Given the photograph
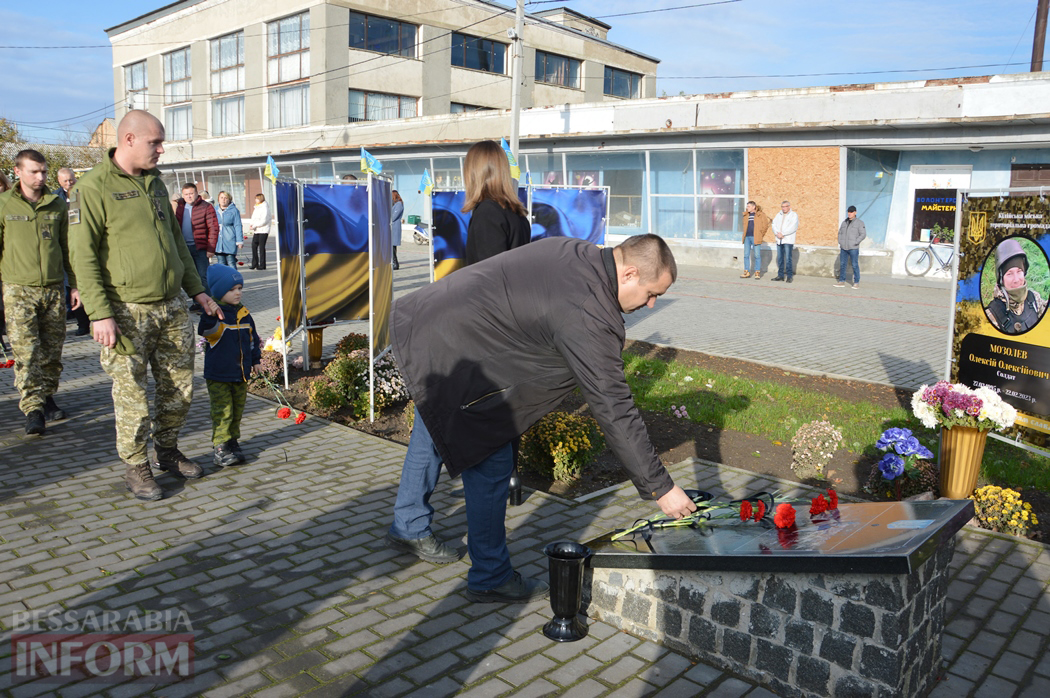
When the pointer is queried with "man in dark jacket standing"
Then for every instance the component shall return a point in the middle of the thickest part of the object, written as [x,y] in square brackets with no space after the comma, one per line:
[489,350]
[851,233]
[200,229]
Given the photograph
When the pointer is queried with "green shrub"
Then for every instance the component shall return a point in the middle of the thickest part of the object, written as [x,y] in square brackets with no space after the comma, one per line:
[351,343]
[559,445]
[325,396]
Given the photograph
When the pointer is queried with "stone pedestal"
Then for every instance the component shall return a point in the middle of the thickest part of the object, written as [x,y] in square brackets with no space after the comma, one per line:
[866,623]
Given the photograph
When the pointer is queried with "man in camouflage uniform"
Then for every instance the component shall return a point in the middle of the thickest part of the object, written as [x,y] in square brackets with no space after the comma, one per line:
[131,262]
[1014,308]
[33,256]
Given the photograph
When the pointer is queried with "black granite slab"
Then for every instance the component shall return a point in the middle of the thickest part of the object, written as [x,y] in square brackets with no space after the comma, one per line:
[868,537]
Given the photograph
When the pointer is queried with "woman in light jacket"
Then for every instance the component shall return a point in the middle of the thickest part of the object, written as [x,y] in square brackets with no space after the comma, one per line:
[260,227]
[396,212]
[231,235]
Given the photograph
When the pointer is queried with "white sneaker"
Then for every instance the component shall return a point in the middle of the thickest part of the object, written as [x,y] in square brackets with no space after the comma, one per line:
[856,286]
[840,284]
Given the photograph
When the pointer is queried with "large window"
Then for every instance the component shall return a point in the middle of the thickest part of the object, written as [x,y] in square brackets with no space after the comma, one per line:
[177,76]
[557,70]
[478,54]
[227,64]
[376,106]
[227,116]
[178,123]
[382,35]
[620,83]
[459,108]
[290,106]
[288,49]
[135,84]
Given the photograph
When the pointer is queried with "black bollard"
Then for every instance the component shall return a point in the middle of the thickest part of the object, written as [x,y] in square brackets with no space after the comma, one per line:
[565,561]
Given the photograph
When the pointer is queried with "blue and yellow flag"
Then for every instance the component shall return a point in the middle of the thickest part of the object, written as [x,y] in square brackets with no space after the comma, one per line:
[528,178]
[271,172]
[515,171]
[426,184]
[369,163]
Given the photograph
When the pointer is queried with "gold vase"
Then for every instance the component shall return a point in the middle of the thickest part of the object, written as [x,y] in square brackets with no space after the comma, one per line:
[962,449]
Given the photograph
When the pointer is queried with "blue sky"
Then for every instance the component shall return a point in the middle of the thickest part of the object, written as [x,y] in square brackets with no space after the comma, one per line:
[746,45]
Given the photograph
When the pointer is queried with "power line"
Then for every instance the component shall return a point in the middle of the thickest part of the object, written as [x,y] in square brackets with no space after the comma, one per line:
[668,9]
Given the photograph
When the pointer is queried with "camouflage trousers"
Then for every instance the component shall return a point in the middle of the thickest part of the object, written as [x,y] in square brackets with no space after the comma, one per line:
[227,408]
[163,341]
[36,324]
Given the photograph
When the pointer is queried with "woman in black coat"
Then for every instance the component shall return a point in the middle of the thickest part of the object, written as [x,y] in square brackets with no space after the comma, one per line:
[497,221]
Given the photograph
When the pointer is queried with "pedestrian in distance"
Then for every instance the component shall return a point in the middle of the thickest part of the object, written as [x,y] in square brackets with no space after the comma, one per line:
[260,227]
[755,225]
[34,262]
[497,217]
[851,233]
[66,179]
[397,211]
[200,229]
[5,184]
[489,350]
[133,264]
[231,234]
[232,352]
[785,225]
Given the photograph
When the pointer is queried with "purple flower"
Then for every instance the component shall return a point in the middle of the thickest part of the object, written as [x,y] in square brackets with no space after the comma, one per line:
[891,466]
[891,436]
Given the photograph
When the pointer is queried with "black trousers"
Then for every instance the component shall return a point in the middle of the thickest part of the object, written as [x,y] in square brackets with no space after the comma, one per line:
[259,250]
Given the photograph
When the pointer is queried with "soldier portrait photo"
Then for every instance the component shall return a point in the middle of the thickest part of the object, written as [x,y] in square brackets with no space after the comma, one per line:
[1014,285]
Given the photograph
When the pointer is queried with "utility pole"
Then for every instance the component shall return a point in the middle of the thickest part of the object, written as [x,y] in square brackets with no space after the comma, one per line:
[518,76]
[1040,35]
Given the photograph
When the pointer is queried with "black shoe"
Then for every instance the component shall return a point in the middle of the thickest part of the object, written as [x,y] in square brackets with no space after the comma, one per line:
[429,548]
[236,448]
[52,412]
[172,460]
[777,278]
[395,266]
[790,278]
[35,423]
[252,266]
[224,455]
[81,331]
[517,589]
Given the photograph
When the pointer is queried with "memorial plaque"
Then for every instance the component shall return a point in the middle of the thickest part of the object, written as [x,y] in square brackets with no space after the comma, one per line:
[870,537]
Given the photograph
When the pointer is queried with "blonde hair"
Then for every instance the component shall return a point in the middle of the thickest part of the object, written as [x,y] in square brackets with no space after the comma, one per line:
[487,175]
[222,194]
[260,198]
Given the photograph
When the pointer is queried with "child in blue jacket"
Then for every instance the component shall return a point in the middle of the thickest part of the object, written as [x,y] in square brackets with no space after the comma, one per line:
[232,352]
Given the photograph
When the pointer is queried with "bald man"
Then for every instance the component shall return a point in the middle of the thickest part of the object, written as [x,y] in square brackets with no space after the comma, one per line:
[125,242]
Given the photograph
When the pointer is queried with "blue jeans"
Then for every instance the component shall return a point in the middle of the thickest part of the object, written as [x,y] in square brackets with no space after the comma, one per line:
[751,250]
[485,492]
[853,257]
[229,260]
[784,260]
[200,260]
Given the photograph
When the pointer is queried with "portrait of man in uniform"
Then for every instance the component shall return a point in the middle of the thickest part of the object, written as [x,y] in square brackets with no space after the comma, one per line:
[1015,300]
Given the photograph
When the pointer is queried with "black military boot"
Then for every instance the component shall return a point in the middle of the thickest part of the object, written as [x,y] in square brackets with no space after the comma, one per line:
[172,460]
[35,423]
[52,412]
[236,448]
[139,481]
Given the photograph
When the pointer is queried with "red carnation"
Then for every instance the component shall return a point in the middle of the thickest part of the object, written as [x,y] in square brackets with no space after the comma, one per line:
[9,363]
[300,418]
[760,510]
[833,496]
[240,264]
[745,510]
[284,413]
[785,516]
[818,506]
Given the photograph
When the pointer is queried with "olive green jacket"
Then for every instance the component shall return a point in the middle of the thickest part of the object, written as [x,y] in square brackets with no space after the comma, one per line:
[124,242]
[33,241]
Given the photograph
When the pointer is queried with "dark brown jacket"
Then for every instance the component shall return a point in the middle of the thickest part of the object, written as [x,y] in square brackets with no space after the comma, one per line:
[489,350]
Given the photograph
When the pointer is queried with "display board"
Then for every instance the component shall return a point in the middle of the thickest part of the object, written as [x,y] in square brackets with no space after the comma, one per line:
[1001,336]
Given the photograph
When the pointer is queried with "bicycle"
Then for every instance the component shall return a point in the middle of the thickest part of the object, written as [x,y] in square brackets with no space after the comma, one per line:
[919,260]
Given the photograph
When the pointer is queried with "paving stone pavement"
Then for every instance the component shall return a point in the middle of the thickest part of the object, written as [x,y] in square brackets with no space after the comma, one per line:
[280,564]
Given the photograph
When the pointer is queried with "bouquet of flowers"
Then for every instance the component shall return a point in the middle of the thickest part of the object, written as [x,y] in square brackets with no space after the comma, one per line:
[904,461]
[954,405]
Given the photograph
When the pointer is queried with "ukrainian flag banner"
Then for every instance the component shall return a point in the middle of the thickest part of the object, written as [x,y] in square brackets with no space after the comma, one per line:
[271,172]
[426,185]
[369,163]
[515,171]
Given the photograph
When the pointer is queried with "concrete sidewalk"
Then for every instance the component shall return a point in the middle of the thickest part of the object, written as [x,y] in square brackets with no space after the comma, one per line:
[280,564]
